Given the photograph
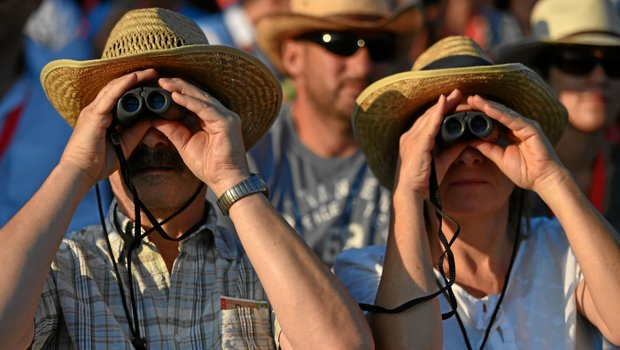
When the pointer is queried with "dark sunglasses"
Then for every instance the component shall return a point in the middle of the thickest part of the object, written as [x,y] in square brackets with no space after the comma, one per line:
[382,47]
[582,62]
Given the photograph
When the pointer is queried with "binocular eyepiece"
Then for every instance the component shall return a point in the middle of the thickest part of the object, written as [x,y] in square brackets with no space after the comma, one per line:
[467,125]
[157,100]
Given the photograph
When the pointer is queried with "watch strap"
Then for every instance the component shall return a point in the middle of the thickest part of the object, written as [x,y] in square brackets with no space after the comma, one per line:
[253,184]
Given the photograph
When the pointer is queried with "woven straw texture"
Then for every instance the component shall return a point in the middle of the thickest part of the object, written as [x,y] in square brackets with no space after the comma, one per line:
[387,108]
[175,46]
[329,15]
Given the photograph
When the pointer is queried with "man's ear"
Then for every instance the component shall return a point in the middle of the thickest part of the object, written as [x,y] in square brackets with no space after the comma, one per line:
[292,57]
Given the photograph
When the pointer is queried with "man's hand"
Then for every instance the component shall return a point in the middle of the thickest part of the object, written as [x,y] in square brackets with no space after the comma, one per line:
[209,140]
[88,149]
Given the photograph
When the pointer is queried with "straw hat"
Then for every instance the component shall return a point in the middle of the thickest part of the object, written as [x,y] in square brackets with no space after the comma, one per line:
[174,45]
[388,107]
[557,23]
[333,15]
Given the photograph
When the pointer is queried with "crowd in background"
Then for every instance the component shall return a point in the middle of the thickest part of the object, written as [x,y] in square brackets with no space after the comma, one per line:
[78,29]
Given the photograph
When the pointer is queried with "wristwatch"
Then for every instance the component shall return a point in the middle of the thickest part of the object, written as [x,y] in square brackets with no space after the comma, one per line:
[252,184]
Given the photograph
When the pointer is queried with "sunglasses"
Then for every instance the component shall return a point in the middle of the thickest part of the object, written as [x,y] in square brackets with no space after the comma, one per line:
[382,47]
[582,62]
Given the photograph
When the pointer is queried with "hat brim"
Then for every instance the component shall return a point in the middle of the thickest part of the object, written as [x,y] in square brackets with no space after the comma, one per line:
[241,82]
[273,30]
[531,51]
[388,107]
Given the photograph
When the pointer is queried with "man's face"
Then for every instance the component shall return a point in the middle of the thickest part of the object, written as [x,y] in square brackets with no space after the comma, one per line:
[162,180]
[586,87]
[333,70]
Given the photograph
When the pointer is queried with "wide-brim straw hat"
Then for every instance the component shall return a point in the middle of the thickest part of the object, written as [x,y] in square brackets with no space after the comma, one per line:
[304,16]
[175,46]
[388,107]
[560,23]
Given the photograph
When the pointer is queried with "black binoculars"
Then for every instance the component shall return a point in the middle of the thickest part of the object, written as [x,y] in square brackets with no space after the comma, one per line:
[157,100]
[467,125]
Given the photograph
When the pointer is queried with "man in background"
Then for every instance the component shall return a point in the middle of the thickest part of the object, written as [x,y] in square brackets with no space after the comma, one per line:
[320,182]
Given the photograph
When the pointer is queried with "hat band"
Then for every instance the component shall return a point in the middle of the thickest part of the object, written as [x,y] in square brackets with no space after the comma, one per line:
[457,61]
[594,32]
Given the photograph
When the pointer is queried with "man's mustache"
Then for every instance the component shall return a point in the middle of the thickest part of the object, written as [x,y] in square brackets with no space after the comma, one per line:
[144,158]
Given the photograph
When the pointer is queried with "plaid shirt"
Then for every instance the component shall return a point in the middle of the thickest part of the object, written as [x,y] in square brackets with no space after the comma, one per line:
[81,305]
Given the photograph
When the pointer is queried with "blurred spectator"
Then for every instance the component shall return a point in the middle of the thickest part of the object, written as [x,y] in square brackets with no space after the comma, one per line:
[575,45]
[32,136]
[487,22]
[234,25]
[521,11]
[318,178]
[56,29]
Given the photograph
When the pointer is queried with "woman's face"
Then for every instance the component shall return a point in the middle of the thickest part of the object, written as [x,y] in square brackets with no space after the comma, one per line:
[473,184]
[589,95]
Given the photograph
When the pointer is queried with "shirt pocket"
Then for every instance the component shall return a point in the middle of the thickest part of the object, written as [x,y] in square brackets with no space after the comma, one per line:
[246,324]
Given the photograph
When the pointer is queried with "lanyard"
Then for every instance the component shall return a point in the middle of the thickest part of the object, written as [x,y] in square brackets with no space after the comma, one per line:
[9,127]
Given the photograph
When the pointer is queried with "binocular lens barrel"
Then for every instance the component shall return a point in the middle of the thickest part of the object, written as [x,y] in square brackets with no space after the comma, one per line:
[157,100]
[453,127]
[466,125]
[480,125]
[131,103]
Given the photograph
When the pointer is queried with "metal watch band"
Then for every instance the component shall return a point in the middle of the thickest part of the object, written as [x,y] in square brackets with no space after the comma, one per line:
[252,184]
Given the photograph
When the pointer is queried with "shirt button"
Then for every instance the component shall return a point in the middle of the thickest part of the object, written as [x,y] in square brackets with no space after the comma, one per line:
[178,338]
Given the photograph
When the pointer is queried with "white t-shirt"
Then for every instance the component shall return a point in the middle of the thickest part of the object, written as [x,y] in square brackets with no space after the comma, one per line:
[538,310]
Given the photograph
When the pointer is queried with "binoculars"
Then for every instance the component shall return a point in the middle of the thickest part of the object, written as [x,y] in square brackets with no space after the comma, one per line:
[155,99]
[468,125]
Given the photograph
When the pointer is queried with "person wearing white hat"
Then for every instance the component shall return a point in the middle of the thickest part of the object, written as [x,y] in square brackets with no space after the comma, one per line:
[458,139]
[330,50]
[575,46]
[158,272]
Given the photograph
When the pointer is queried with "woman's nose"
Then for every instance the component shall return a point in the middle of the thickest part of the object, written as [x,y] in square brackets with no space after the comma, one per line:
[470,157]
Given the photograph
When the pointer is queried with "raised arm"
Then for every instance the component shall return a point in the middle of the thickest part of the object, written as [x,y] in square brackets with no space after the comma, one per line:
[29,241]
[313,308]
[531,163]
[408,269]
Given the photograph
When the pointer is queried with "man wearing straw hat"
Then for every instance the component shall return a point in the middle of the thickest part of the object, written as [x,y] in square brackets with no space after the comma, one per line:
[575,46]
[161,138]
[320,181]
[458,139]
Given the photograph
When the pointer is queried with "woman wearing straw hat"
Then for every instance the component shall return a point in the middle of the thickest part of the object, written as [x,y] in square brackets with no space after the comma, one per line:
[192,284]
[575,46]
[519,283]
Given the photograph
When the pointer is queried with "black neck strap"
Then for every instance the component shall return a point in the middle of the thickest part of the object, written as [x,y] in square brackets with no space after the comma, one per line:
[447,254]
[137,340]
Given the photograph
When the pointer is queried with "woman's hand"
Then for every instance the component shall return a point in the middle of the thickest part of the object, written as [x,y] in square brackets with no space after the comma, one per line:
[528,160]
[417,148]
